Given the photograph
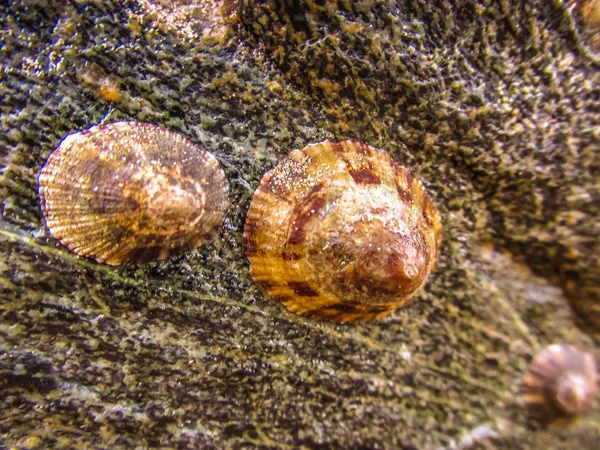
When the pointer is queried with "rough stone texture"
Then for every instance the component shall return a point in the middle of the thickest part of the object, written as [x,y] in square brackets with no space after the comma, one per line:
[493,103]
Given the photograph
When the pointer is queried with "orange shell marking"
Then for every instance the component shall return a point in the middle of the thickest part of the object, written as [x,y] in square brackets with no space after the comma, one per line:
[340,231]
[131,192]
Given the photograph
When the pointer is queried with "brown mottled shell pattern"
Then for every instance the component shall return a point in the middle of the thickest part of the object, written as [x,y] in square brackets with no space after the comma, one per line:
[131,192]
[341,231]
[560,384]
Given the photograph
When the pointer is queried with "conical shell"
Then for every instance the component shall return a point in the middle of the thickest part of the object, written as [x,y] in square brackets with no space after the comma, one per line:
[560,384]
[131,192]
[340,231]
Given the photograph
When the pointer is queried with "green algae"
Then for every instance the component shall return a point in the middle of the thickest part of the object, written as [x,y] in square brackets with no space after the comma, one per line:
[492,104]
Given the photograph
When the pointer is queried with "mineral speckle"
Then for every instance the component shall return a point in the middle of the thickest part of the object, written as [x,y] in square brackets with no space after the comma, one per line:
[208,21]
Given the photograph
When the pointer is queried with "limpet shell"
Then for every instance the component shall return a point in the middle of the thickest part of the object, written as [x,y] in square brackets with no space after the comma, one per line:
[560,384]
[131,192]
[341,231]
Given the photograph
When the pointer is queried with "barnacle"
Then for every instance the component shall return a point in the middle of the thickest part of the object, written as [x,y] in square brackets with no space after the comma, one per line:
[560,384]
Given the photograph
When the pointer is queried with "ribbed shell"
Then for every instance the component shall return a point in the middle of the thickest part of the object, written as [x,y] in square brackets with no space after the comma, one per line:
[340,231]
[560,384]
[131,192]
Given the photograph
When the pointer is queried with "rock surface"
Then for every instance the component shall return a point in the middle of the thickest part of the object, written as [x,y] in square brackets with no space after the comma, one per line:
[494,104]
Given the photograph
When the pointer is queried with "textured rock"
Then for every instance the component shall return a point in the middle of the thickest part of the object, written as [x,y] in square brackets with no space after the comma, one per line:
[496,103]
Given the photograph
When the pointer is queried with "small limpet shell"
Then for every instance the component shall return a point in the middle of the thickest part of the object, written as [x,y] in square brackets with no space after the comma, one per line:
[131,192]
[340,231]
[560,384]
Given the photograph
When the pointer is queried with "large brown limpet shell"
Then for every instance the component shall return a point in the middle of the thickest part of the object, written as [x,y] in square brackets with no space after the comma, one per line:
[559,385]
[340,231]
[131,192]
